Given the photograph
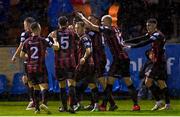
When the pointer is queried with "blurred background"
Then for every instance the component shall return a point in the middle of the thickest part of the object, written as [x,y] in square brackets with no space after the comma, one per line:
[130,15]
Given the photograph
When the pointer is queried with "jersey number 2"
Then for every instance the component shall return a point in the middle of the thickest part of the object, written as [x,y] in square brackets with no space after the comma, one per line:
[34,54]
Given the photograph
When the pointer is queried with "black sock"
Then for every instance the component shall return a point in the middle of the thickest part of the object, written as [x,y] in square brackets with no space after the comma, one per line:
[44,96]
[105,97]
[64,97]
[72,94]
[110,95]
[94,95]
[30,91]
[79,91]
[166,95]
[155,92]
[36,99]
[133,94]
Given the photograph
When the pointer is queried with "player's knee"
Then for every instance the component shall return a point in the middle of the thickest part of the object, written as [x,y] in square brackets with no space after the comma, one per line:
[103,82]
[92,85]
[128,81]
[36,87]
[110,80]
[30,84]
[43,86]
[162,84]
[71,83]
[62,84]
[148,82]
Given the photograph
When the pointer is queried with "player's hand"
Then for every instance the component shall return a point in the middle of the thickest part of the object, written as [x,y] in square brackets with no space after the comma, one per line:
[127,47]
[13,59]
[82,61]
[80,15]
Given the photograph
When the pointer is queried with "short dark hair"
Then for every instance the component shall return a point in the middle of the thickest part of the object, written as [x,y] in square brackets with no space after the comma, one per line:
[81,23]
[29,20]
[152,20]
[35,26]
[93,15]
[76,19]
[62,20]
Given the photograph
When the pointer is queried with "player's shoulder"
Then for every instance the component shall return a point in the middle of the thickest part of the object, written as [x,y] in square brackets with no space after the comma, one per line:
[157,35]
[27,40]
[91,33]
[25,34]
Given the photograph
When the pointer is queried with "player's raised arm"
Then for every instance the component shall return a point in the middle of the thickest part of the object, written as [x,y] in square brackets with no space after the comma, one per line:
[23,52]
[137,39]
[88,23]
[18,50]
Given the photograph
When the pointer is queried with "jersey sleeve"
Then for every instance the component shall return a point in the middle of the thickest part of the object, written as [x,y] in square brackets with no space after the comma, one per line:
[48,42]
[23,37]
[155,36]
[87,42]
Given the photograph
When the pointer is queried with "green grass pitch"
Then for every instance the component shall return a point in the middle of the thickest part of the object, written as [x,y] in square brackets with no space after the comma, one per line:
[18,109]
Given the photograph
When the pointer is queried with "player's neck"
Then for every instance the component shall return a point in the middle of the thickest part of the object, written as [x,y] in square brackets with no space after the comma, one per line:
[35,34]
[155,30]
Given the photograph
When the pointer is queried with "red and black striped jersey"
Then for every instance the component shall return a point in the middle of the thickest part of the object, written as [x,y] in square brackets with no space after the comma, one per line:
[65,57]
[98,47]
[158,46]
[84,43]
[114,41]
[24,36]
[35,48]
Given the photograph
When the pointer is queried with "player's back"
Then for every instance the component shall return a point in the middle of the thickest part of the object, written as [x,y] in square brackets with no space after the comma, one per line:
[115,45]
[66,55]
[158,45]
[36,50]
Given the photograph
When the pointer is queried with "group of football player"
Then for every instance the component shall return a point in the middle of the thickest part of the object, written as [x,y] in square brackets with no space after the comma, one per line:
[80,61]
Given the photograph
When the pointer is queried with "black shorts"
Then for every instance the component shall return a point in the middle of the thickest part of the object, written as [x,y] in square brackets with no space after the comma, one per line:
[100,69]
[38,78]
[145,68]
[157,71]
[85,71]
[120,67]
[63,74]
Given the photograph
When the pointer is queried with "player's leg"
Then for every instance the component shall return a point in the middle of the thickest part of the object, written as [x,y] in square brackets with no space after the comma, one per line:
[149,82]
[107,94]
[63,95]
[132,92]
[164,90]
[152,75]
[60,75]
[30,91]
[36,98]
[72,94]
[125,73]
[162,84]
[28,83]
[44,92]
[36,91]
[81,84]
[94,96]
